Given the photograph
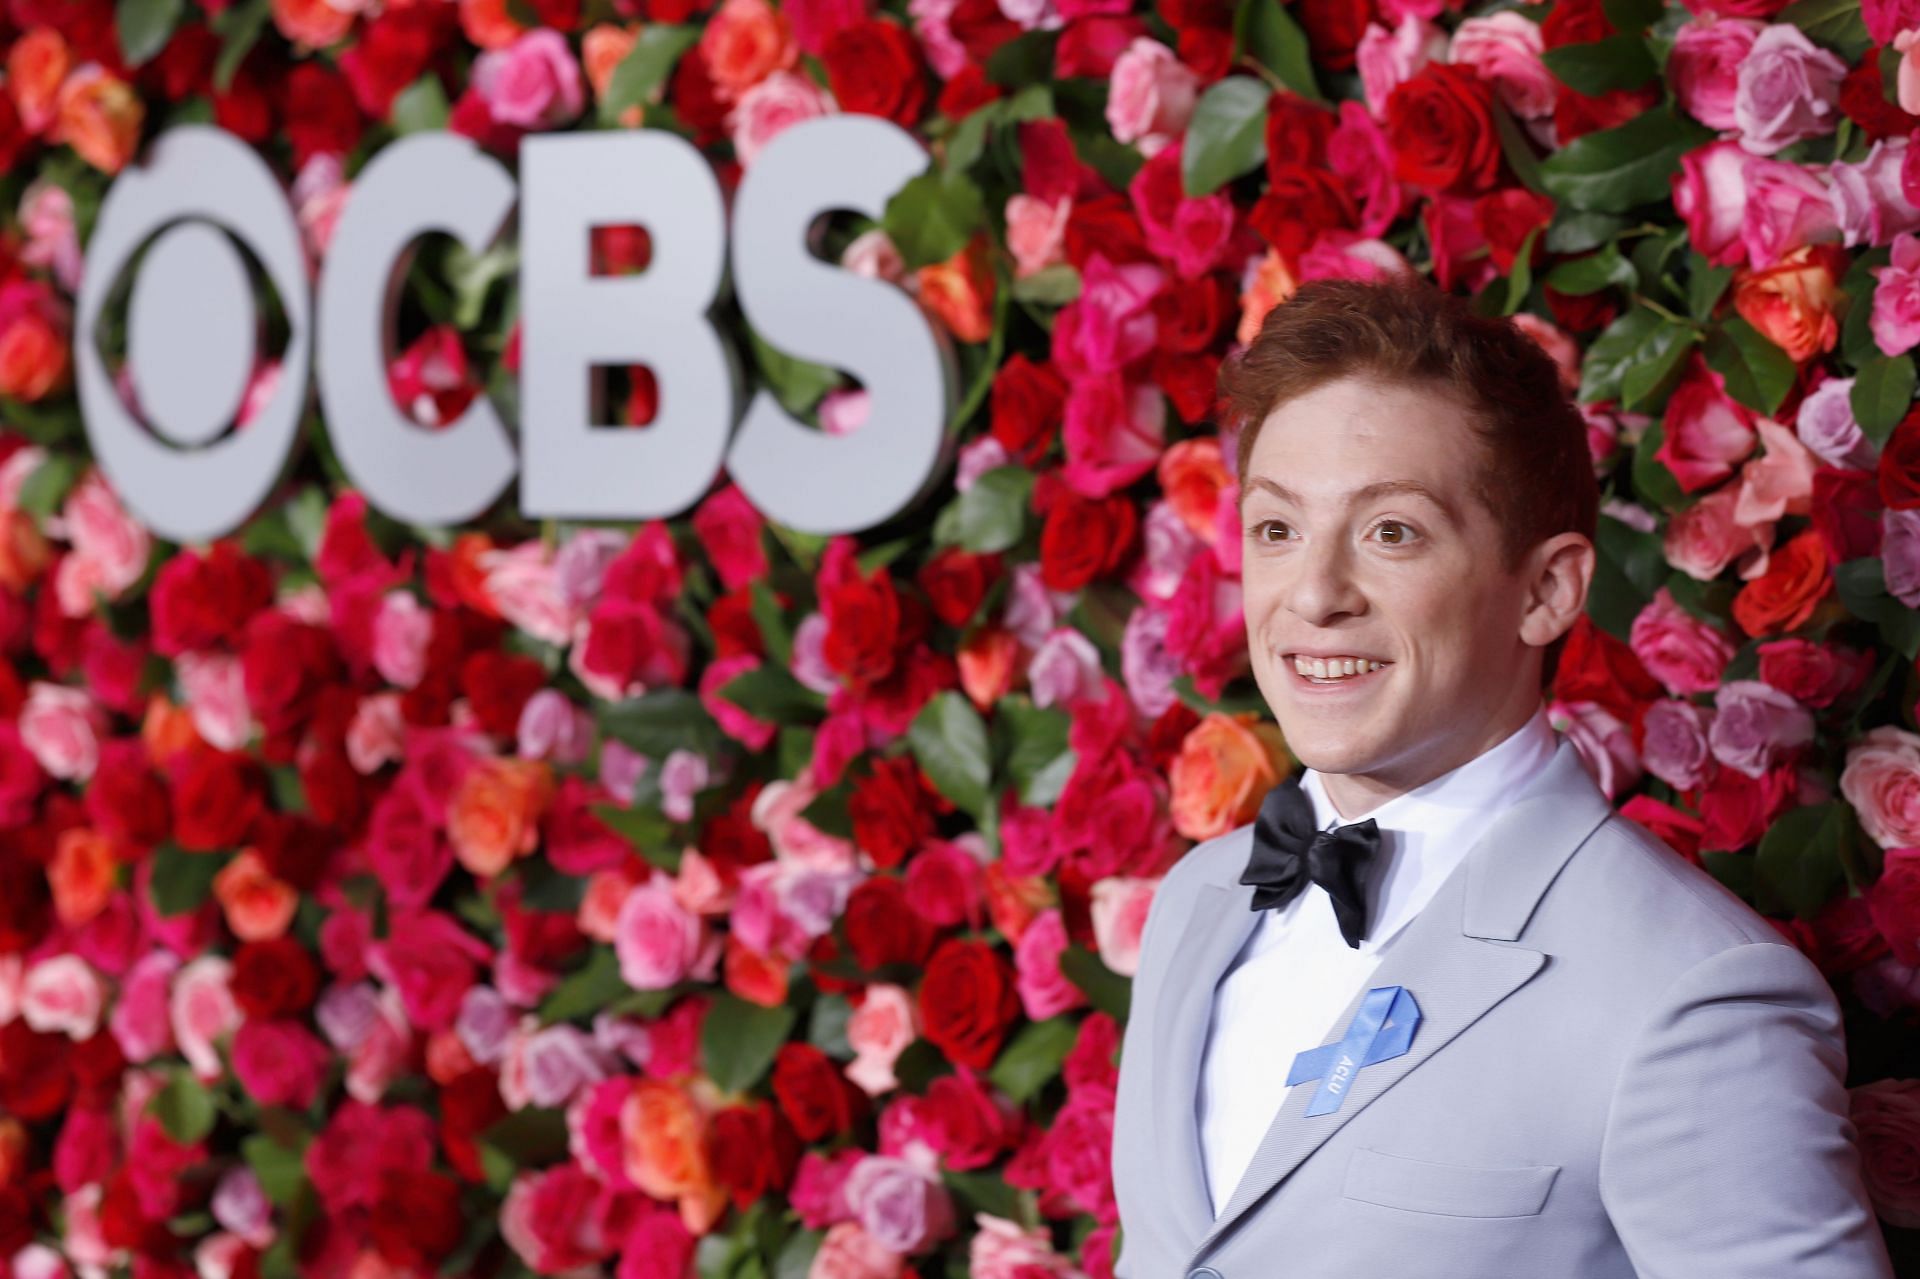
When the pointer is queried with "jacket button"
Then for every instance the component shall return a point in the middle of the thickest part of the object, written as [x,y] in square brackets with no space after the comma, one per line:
[1204,1272]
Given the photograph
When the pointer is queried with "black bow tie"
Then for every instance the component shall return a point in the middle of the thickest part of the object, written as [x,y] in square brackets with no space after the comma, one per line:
[1288,852]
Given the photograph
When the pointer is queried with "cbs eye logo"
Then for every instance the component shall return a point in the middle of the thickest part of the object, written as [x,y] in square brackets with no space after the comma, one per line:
[176,225]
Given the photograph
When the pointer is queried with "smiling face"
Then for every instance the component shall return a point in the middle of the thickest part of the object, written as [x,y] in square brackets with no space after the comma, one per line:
[1367,549]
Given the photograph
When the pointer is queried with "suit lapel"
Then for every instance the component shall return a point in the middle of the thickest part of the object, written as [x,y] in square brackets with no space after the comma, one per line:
[1449,958]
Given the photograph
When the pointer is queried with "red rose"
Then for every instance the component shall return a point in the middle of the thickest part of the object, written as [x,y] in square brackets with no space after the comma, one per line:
[967,1002]
[1300,204]
[981,28]
[966,92]
[1334,28]
[1783,597]
[1845,513]
[1596,667]
[1049,169]
[1090,46]
[1894,903]
[1190,381]
[881,929]
[864,627]
[1026,404]
[200,601]
[696,100]
[125,799]
[1440,124]
[816,1098]
[34,1080]
[216,798]
[469,1105]
[245,109]
[25,904]
[285,664]
[1208,51]
[184,65]
[498,686]
[417,1219]
[1084,538]
[1576,114]
[1506,218]
[1900,465]
[1298,131]
[333,787]
[1583,313]
[956,581]
[753,1151]
[731,838]
[1680,831]
[874,68]
[1813,674]
[966,1124]
[1844,936]
[274,978]
[1735,810]
[1105,224]
[1191,318]
[322,117]
[1187,15]
[1863,99]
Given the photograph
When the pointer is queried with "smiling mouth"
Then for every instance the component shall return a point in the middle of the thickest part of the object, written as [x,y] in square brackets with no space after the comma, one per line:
[1326,671]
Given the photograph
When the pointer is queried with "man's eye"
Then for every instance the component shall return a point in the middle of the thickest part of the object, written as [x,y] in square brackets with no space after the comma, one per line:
[1394,533]
[1259,530]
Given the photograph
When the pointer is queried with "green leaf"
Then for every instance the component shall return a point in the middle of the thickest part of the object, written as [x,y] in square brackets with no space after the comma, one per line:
[531,1136]
[1578,231]
[1633,15]
[1616,169]
[796,1255]
[1857,344]
[1614,352]
[660,722]
[989,516]
[1735,870]
[1032,741]
[645,68]
[281,1169]
[1656,366]
[1050,286]
[949,740]
[827,1026]
[1882,394]
[1582,276]
[1227,136]
[1033,1059]
[587,991]
[1651,479]
[1026,59]
[1705,283]
[1836,24]
[182,880]
[738,1040]
[184,1108]
[239,27]
[145,26]
[1799,859]
[1862,586]
[986,1192]
[798,384]
[1757,373]
[768,616]
[420,107]
[1107,990]
[1617,62]
[648,830]
[45,490]
[772,693]
[933,216]
[1267,33]
[1521,280]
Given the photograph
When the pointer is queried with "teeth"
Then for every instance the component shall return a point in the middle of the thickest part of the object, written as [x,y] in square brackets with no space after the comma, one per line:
[1334,668]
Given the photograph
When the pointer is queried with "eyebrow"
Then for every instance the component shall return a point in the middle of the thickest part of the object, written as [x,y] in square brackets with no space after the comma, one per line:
[1380,488]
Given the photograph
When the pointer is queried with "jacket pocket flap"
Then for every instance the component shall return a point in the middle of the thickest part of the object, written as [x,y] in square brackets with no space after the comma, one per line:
[1453,1190]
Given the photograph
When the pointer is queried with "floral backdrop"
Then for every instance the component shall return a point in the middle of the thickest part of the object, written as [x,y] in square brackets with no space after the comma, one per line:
[704,897]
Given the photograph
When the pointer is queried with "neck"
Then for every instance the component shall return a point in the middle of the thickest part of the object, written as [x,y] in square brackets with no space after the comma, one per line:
[1354,795]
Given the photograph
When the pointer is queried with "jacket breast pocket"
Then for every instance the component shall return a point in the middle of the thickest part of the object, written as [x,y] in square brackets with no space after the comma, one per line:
[1452,1190]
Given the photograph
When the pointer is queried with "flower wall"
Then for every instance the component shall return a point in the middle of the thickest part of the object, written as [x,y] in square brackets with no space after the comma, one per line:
[706,897]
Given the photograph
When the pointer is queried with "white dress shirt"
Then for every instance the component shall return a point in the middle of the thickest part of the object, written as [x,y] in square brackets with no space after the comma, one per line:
[1296,974]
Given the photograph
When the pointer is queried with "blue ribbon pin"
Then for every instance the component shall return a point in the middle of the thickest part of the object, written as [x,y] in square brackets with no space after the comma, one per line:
[1381,1030]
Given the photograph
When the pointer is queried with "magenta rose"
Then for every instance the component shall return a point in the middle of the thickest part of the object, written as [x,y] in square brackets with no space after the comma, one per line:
[1756,726]
[1710,195]
[534,83]
[1704,66]
[1674,743]
[1894,903]
[1044,990]
[1813,674]
[280,1062]
[1896,299]
[432,960]
[1706,433]
[1677,648]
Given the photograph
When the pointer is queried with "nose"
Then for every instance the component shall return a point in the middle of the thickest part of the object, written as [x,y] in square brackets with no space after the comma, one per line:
[1324,588]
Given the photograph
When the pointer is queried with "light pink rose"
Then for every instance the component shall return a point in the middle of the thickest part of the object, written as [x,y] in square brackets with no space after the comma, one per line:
[110,548]
[769,108]
[552,727]
[560,1061]
[1556,342]
[1886,1115]
[878,1032]
[62,996]
[520,581]
[1704,66]
[902,1208]
[1044,990]
[700,887]
[1504,50]
[1065,670]
[1756,726]
[484,1022]
[319,194]
[1704,538]
[204,1012]
[1826,425]
[1111,324]
[37,1261]
[1900,555]
[1869,204]
[46,217]
[141,1023]
[1882,782]
[1119,909]
[932,27]
[873,255]
[1145,664]
[1674,742]
[1706,433]
[377,733]
[534,83]
[1603,743]
[215,689]
[976,459]
[849,1252]
[683,776]
[1896,299]
[1778,482]
[844,411]
[777,811]
[1678,649]
[1168,546]
[1151,95]
[221,1255]
[1033,15]
[60,727]
[658,940]
[1387,59]
[1788,206]
[1788,89]
[1036,233]
[241,1205]
[1002,1249]
[401,630]
[621,768]
[1114,433]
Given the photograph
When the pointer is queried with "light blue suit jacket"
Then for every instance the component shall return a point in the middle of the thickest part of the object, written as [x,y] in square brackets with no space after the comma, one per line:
[1621,1071]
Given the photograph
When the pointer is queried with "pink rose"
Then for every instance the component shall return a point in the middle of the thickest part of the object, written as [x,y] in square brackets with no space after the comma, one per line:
[1885,19]
[534,83]
[1065,670]
[1044,990]
[844,411]
[945,883]
[1703,539]
[1813,674]
[1788,89]
[1359,152]
[1111,324]
[902,1208]
[777,811]
[62,996]
[1603,743]
[1869,203]
[1387,59]
[1706,432]
[1826,425]
[1900,555]
[280,1062]
[769,108]
[819,1187]
[1151,95]
[872,254]
[1896,299]
[1710,195]
[204,1012]
[558,1062]
[1119,909]
[215,689]
[1146,666]
[1788,206]
[1777,483]
[753,733]
[1756,726]
[1674,743]
[401,630]
[878,1032]
[1704,66]
[241,1205]
[552,727]
[432,961]
[1002,1249]
[1504,50]
[1882,782]
[976,459]
[141,1023]
[1114,433]
[1886,1115]
[657,939]
[849,1252]
[110,548]
[61,727]
[53,243]
[521,582]
[1036,233]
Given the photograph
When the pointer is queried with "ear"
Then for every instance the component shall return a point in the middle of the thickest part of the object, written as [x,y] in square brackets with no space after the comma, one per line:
[1560,570]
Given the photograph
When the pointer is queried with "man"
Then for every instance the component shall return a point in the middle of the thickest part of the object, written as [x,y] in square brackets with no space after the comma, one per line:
[1440,1012]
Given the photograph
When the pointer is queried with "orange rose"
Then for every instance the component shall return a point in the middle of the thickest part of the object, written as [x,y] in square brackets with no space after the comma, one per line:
[1792,301]
[447,1057]
[314,24]
[100,118]
[14,1149]
[488,24]
[1272,285]
[600,906]
[1226,766]
[1784,596]
[166,730]
[83,873]
[258,906]
[744,43]
[23,551]
[1013,901]
[960,292]
[756,978]
[495,814]
[987,658]
[602,49]
[663,1135]
[37,64]
[33,343]
[1193,476]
